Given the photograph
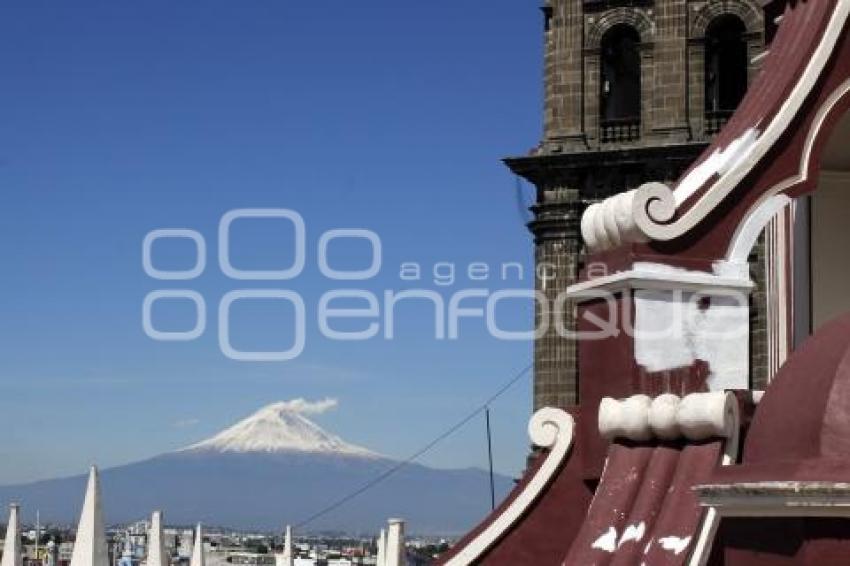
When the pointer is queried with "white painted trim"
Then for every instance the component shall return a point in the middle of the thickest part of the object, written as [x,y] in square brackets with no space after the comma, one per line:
[803,173]
[658,229]
[779,294]
[654,205]
[549,428]
[658,280]
[777,499]
[749,232]
[759,58]
[768,218]
[711,521]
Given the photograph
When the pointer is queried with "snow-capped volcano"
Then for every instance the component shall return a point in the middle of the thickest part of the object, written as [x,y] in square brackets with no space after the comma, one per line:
[280,427]
[275,467]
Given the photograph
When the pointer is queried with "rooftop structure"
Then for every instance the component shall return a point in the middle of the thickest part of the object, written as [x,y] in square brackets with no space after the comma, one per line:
[198,554]
[157,555]
[12,555]
[90,546]
[286,557]
[634,92]
[671,454]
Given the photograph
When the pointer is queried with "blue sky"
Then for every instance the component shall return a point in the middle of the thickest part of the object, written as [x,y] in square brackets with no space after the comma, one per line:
[119,118]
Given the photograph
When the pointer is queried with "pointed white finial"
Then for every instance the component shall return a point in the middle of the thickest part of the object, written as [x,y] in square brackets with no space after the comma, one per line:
[12,555]
[156,545]
[198,558]
[382,549]
[90,546]
[395,555]
[286,557]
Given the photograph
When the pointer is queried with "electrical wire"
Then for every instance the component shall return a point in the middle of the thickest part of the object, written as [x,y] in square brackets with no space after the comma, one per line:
[418,454]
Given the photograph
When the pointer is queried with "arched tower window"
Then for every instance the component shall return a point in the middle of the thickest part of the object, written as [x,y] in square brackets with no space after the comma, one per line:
[620,84]
[725,70]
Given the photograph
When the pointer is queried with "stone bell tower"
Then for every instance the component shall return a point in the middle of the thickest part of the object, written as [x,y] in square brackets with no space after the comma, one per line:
[634,92]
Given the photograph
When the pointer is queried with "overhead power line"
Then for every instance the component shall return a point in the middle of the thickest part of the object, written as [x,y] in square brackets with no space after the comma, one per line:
[418,454]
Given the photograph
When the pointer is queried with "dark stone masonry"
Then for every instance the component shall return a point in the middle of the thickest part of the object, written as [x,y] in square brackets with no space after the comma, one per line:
[634,91]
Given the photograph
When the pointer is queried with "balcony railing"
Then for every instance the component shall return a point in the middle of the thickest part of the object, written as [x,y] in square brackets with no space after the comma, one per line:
[716,119]
[619,130]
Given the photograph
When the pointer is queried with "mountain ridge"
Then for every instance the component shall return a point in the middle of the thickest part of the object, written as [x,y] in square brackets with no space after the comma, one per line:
[262,476]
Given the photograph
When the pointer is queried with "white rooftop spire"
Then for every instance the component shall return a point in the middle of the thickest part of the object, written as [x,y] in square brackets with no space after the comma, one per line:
[382,549]
[90,545]
[12,543]
[395,555]
[198,558]
[286,558]
[156,547]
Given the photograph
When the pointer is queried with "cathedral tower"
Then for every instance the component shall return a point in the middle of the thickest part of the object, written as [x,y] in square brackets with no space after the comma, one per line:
[634,91]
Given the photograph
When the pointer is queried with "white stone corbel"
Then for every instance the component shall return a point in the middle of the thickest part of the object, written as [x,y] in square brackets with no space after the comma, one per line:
[696,417]
[628,418]
[663,417]
[708,415]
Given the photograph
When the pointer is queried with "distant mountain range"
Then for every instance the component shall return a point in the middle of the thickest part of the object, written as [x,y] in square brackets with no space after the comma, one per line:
[276,467]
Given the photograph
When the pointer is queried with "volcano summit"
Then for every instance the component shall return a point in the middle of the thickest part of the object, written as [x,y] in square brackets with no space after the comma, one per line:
[273,468]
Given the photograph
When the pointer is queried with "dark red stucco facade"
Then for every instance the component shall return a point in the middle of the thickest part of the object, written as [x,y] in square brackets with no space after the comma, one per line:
[776,489]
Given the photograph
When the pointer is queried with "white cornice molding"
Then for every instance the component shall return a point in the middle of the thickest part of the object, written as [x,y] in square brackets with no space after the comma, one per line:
[777,499]
[650,279]
[549,428]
